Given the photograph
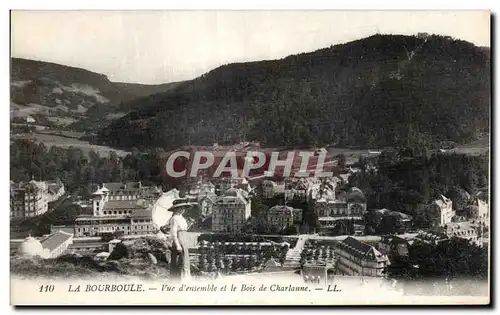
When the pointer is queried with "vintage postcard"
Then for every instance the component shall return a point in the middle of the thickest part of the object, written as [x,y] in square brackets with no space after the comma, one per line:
[250,157]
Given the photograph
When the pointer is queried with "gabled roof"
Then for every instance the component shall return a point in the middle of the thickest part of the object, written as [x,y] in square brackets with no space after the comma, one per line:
[356,245]
[56,239]
[361,250]
[142,213]
[123,204]
[272,263]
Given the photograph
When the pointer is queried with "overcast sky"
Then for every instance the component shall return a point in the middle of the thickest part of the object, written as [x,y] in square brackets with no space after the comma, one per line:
[166,46]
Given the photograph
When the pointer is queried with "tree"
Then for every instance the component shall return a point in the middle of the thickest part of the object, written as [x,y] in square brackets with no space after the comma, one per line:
[342,160]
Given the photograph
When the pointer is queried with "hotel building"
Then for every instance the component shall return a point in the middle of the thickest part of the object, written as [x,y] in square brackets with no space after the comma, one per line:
[356,258]
[121,207]
[441,211]
[31,199]
[231,211]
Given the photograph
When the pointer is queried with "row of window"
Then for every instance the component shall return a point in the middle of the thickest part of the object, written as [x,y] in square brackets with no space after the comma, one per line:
[114,228]
[117,212]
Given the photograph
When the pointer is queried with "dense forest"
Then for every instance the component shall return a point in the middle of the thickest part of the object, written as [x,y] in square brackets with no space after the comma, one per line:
[454,258]
[384,90]
[408,183]
[78,171]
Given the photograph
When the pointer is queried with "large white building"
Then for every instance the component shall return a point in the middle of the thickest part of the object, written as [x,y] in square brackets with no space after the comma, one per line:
[119,207]
[441,211]
[356,258]
[51,246]
[480,211]
[130,191]
[231,211]
[31,199]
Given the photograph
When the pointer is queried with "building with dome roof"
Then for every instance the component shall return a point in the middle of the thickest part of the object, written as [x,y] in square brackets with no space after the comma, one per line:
[31,247]
[231,211]
[51,246]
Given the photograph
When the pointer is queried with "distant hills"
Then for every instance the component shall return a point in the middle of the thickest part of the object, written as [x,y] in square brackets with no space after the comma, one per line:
[384,90]
[64,95]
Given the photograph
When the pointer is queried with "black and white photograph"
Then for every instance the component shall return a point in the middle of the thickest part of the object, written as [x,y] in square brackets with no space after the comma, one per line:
[250,157]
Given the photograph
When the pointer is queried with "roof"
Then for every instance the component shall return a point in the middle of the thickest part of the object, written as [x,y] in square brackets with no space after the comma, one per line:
[56,239]
[142,213]
[355,194]
[393,240]
[233,193]
[121,186]
[362,250]
[30,246]
[397,214]
[339,218]
[442,201]
[356,245]
[123,204]
[99,218]
[54,187]
[284,209]
[210,197]
[32,185]
[272,263]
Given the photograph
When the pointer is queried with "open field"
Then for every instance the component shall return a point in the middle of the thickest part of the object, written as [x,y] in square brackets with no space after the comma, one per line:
[66,142]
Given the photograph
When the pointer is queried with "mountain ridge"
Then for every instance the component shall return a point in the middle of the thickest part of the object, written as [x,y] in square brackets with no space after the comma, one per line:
[55,93]
[382,90]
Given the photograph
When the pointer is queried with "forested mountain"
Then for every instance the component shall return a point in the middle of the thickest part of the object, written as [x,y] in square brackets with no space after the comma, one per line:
[67,94]
[384,90]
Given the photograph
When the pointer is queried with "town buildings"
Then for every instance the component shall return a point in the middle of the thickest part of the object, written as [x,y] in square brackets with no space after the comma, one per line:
[51,246]
[301,190]
[57,243]
[306,189]
[226,183]
[271,188]
[130,191]
[385,221]
[441,211]
[352,206]
[203,193]
[393,246]
[231,211]
[119,207]
[480,211]
[359,259]
[281,217]
[31,199]
[430,238]
[136,223]
[464,230]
